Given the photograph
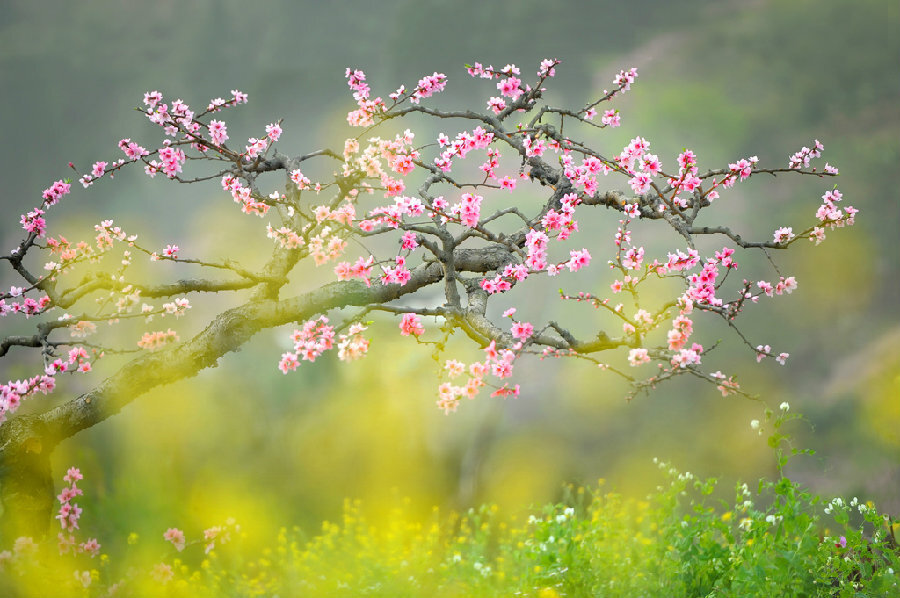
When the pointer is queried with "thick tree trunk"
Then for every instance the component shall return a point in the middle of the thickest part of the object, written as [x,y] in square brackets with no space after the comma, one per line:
[26,482]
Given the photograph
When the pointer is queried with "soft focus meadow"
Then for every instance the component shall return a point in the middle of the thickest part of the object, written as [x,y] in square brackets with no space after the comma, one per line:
[345,479]
[771,538]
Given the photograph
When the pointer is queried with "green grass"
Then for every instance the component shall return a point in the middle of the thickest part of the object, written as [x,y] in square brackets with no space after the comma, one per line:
[771,539]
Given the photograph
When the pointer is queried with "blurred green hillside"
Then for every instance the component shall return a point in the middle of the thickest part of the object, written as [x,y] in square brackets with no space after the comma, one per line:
[726,79]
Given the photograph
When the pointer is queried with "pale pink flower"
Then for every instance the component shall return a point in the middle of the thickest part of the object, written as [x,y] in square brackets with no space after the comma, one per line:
[454,368]
[638,356]
[218,132]
[784,234]
[162,573]
[176,537]
[273,131]
[91,547]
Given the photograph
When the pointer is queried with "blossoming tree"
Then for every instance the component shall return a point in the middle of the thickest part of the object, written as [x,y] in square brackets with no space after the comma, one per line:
[451,208]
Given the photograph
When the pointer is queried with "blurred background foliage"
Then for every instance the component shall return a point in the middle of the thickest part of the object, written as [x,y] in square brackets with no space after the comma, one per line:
[726,79]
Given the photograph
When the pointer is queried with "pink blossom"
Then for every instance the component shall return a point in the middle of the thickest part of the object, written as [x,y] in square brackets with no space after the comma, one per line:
[633,259]
[506,391]
[98,169]
[611,118]
[547,68]
[522,330]
[625,78]
[132,150]
[743,167]
[578,259]
[409,240]
[832,196]
[218,132]
[685,357]
[33,222]
[411,325]
[762,351]
[496,105]
[638,356]
[301,181]
[501,369]
[273,131]
[73,475]
[783,234]
[55,192]
[510,87]
[176,537]
[640,183]
[92,547]
[428,86]
[454,368]
[152,98]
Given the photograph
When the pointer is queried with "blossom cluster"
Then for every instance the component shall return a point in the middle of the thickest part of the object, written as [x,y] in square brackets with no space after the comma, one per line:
[317,336]
[431,223]
[68,515]
[497,363]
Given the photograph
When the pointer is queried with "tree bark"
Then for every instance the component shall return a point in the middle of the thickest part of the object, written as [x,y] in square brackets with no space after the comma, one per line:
[26,490]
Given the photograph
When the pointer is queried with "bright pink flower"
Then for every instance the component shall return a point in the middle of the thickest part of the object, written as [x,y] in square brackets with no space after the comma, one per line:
[578,259]
[510,87]
[409,240]
[411,325]
[55,192]
[428,86]
[73,475]
[522,330]
[98,169]
[501,369]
